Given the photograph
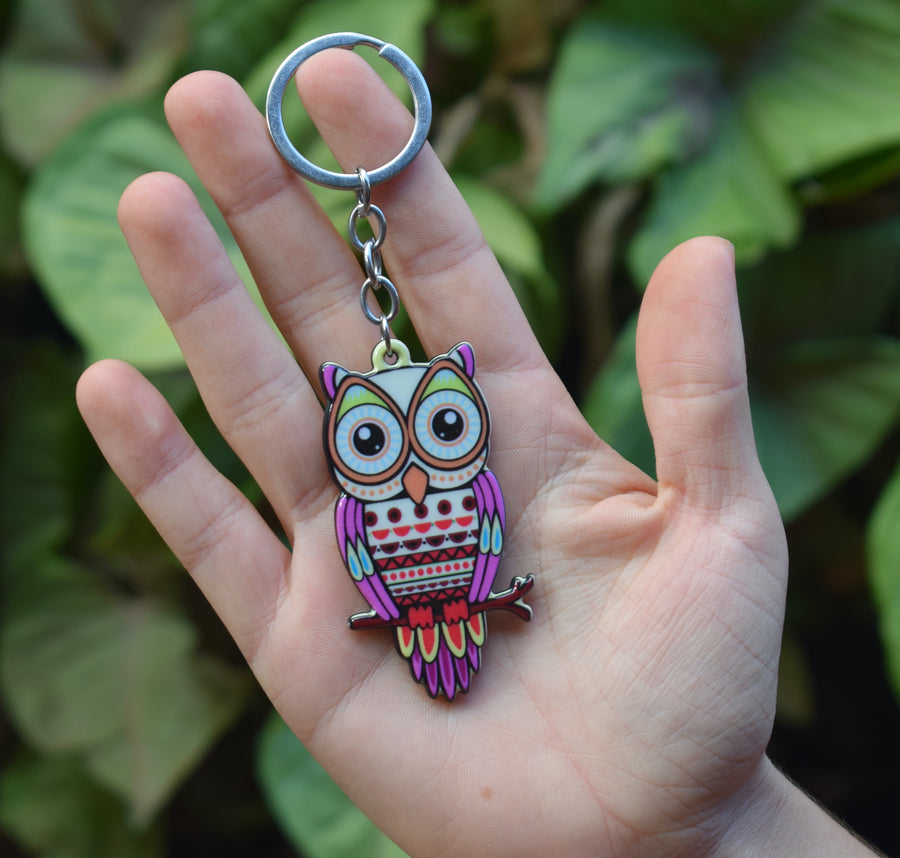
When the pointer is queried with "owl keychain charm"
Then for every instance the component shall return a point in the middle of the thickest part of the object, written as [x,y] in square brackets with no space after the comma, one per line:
[420,518]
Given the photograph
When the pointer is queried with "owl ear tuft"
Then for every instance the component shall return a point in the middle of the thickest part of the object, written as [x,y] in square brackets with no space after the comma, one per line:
[331,375]
[464,355]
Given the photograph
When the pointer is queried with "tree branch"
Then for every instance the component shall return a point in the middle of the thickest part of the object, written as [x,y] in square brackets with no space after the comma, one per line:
[509,600]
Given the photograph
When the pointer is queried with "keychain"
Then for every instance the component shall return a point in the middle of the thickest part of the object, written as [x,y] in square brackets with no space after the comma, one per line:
[420,517]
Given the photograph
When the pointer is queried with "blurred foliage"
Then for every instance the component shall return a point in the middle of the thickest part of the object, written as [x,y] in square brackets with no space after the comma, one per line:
[589,138]
[309,805]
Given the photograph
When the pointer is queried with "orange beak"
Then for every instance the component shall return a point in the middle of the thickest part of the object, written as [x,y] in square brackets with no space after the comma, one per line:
[415,481]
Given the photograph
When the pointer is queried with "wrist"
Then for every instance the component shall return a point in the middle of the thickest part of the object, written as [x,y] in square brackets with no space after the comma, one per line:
[772,816]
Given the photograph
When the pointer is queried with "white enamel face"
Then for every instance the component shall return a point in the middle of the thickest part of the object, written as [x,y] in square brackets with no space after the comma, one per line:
[431,416]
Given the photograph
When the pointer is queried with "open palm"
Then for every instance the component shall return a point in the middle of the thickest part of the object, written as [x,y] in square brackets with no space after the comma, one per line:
[631,716]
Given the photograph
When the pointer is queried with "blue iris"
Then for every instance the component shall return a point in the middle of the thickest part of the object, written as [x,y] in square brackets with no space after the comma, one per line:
[368,439]
[448,425]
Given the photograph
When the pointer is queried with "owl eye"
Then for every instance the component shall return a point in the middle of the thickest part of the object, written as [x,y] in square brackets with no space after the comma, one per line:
[447,425]
[368,439]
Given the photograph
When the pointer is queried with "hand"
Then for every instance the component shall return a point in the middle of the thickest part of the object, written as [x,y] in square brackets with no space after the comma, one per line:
[632,715]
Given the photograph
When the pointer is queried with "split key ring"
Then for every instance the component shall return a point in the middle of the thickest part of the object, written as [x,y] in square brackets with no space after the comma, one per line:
[328,178]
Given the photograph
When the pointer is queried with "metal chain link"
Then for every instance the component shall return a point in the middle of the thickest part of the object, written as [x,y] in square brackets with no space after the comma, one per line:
[375,277]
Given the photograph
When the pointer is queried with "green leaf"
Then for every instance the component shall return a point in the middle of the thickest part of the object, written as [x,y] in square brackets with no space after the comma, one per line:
[506,229]
[516,245]
[729,191]
[65,61]
[850,179]
[311,809]
[819,411]
[74,243]
[827,88]
[231,35]
[45,459]
[174,704]
[834,283]
[883,544]
[12,184]
[54,810]
[114,680]
[728,24]
[613,404]
[622,103]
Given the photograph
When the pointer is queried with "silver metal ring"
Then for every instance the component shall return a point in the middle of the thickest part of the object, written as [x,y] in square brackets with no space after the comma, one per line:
[379,229]
[386,336]
[363,192]
[376,283]
[328,178]
[372,259]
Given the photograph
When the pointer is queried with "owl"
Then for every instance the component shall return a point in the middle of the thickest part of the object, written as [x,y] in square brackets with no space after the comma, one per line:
[420,518]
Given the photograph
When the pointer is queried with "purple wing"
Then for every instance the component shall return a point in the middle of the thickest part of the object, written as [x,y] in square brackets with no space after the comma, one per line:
[491,524]
[354,545]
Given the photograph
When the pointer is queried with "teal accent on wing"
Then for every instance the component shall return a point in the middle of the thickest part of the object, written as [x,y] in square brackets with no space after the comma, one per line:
[353,564]
[496,537]
[365,561]
[484,539]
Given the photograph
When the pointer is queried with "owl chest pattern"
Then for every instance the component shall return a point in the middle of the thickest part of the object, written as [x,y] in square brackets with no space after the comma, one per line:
[426,548]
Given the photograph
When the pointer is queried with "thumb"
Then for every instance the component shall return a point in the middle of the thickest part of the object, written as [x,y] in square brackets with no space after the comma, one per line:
[692,371]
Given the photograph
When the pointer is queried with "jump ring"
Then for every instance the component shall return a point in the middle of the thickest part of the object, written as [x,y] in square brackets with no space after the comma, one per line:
[398,59]
[390,288]
[386,336]
[379,230]
[372,260]
[363,192]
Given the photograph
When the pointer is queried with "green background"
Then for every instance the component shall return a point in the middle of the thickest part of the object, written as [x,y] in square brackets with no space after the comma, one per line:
[589,138]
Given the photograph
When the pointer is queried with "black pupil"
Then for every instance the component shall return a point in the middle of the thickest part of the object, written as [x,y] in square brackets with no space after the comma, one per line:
[368,439]
[447,424]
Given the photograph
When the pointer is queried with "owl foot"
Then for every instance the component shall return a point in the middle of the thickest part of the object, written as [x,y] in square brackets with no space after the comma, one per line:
[421,617]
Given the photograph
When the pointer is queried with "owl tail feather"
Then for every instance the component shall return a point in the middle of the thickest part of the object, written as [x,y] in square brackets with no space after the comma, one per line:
[445,656]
